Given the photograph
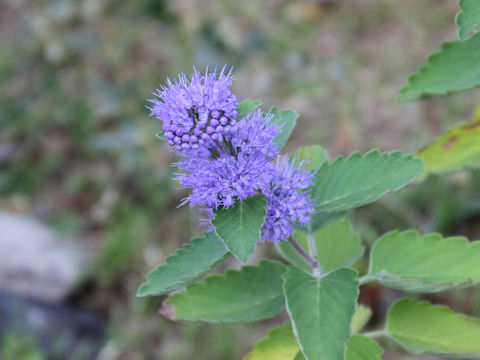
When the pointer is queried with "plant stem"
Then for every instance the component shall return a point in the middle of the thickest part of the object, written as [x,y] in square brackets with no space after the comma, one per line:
[299,249]
[312,248]
[374,334]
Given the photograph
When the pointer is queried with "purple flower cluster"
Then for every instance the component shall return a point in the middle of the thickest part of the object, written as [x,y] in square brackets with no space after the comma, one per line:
[226,160]
[286,203]
[198,111]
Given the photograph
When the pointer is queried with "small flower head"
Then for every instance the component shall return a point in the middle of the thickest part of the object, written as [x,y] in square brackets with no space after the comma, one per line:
[196,111]
[288,200]
[237,166]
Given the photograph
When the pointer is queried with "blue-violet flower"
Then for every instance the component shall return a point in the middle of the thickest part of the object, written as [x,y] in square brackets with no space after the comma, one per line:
[288,200]
[196,111]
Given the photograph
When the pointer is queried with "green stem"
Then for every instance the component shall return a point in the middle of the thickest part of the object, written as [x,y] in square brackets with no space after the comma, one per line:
[299,249]
[375,334]
[312,248]
[365,279]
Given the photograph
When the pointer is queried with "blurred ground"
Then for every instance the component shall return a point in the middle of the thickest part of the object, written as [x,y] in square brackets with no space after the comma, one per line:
[78,152]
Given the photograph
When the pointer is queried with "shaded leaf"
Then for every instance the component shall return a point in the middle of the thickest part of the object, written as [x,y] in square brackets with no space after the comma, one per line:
[456,149]
[287,119]
[188,264]
[362,179]
[240,225]
[320,220]
[468,19]
[429,263]
[338,245]
[246,107]
[315,156]
[161,136]
[321,310]
[453,68]
[360,347]
[253,293]
[419,327]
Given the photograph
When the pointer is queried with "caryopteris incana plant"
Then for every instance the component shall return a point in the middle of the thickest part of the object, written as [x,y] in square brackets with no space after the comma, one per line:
[251,194]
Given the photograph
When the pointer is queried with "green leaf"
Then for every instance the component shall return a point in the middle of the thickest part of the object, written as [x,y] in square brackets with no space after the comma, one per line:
[188,264]
[360,318]
[321,310]
[240,225]
[456,149]
[360,347]
[468,19]
[315,156]
[280,344]
[287,119]
[320,220]
[161,136]
[429,263]
[362,179]
[246,107]
[338,245]
[454,68]
[253,293]
[288,253]
[419,327]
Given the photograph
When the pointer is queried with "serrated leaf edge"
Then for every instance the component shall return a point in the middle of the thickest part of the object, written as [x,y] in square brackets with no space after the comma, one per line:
[421,70]
[211,279]
[186,280]
[359,155]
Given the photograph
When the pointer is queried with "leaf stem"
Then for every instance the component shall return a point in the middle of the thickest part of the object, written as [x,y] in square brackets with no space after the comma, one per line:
[374,334]
[312,248]
[299,249]
[365,279]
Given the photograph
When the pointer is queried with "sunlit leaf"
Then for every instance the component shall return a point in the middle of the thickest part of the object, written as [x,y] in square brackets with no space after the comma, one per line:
[468,19]
[456,149]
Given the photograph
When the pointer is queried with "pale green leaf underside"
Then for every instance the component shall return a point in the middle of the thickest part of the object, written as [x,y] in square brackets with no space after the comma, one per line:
[253,293]
[188,264]
[321,310]
[468,19]
[429,263]
[280,344]
[338,245]
[454,68]
[362,179]
[360,347]
[360,318]
[240,225]
[286,119]
[456,149]
[246,107]
[419,327]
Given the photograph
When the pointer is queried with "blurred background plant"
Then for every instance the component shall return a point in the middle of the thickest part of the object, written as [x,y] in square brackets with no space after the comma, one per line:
[86,198]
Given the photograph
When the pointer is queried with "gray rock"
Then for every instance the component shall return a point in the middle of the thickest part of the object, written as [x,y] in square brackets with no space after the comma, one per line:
[35,261]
